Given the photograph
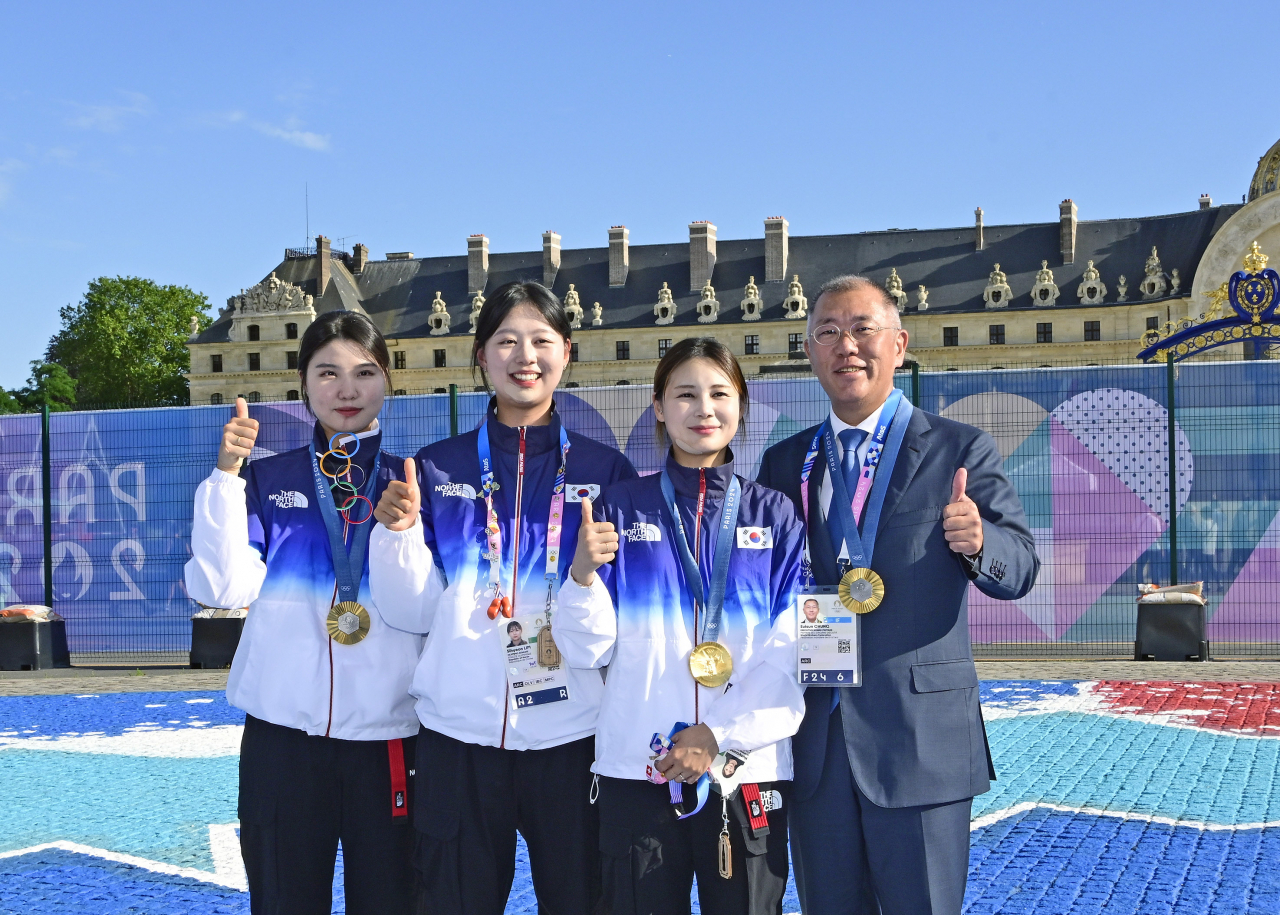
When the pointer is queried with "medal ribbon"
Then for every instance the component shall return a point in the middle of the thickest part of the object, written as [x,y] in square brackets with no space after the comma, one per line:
[348,564]
[676,789]
[555,520]
[842,522]
[712,603]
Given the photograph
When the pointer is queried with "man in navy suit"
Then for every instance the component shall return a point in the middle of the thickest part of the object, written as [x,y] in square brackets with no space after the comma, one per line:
[886,772]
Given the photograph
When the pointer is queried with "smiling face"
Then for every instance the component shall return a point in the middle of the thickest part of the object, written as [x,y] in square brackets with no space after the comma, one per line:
[345,387]
[524,360]
[811,610]
[700,409]
[856,376]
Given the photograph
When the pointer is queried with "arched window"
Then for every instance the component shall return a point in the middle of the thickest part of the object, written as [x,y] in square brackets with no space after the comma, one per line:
[440,391]
[291,394]
[253,397]
[253,333]
[215,399]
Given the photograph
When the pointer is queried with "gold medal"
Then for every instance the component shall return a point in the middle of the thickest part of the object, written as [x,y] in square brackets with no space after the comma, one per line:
[348,623]
[861,590]
[711,664]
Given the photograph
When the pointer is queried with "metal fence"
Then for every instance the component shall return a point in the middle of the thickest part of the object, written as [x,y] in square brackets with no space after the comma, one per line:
[1088,448]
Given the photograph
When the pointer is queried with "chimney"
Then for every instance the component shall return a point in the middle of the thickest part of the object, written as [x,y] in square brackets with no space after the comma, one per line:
[619,255]
[323,265]
[978,243]
[477,263]
[776,245]
[1205,201]
[1067,211]
[702,254]
[359,257]
[550,258]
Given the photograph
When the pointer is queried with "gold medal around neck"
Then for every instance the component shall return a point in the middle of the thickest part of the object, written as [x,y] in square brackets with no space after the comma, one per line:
[861,590]
[711,664]
[348,623]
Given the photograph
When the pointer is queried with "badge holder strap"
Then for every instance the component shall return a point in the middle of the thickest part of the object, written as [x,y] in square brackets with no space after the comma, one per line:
[676,789]
[713,603]
[345,559]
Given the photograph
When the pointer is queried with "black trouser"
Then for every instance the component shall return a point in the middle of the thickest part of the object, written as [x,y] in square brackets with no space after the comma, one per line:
[299,795]
[471,800]
[650,858]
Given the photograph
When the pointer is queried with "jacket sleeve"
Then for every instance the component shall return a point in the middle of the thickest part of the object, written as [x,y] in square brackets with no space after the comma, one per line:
[767,704]
[404,579]
[1007,567]
[585,625]
[225,569]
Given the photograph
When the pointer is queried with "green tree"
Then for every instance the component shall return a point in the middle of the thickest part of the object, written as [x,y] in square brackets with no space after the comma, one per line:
[50,385]
[124,342]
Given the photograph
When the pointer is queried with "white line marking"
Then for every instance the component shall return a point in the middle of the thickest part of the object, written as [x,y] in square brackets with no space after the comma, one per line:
[158,867]
[988,819]
[228,864]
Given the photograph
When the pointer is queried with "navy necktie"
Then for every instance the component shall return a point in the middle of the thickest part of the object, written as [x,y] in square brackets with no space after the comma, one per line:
[850,439]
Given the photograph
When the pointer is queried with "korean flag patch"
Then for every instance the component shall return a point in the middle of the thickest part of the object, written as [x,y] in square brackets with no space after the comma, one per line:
[576,492]
[755,538]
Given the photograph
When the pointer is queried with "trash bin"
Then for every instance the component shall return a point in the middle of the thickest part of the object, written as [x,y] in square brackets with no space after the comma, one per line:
[214,641]
[34,645]
[1171,625]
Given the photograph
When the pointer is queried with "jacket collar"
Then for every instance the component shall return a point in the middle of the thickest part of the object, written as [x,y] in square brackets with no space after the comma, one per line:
[537,439]
[685,479]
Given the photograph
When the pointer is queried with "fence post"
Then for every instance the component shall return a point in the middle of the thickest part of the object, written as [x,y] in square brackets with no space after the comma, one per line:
[1173,476]
[46,486]
[915,384]
[453,410]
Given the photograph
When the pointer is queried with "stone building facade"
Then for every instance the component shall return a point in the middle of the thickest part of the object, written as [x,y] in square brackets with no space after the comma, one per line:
[977,297]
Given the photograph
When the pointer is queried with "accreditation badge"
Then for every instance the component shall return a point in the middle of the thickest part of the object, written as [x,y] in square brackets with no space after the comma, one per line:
[828,641]
[536,674]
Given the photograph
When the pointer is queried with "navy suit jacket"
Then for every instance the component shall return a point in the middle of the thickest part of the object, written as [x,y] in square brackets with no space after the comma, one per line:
[914,728]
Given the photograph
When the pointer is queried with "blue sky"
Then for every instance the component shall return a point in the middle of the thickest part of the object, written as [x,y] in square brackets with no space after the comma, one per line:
[174,141]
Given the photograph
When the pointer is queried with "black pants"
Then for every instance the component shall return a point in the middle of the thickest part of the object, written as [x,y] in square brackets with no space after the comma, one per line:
[650,858]
[471,800]
[300,795]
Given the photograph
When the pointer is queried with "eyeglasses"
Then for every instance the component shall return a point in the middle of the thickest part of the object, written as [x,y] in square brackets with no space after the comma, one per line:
[831,334]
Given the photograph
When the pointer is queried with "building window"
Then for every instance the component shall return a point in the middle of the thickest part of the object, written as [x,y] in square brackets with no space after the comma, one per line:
[663,346]
[795,346]
[1092,330]
[751,344]
[253,333]
[291,333]
[1153,323]
[398,360]
[215,362]
[439,358]
[253,397]
[399,391]
[624,381]
[622,349]
[1044,333]
[255,362]
[291,359]
[950,336]
[995,334]
[573,352]
[436,391]
[291,394]
[215,399]
[571,384]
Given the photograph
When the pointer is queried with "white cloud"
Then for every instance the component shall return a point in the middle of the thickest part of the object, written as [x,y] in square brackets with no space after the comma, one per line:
[111,118]
[304,138]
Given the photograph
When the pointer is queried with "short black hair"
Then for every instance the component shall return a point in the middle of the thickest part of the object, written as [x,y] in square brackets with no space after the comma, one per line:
[499,305]
[342,325]
[514,625]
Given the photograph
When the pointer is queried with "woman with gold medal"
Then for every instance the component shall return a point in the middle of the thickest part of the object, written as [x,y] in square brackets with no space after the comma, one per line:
[684,584]
[324,681]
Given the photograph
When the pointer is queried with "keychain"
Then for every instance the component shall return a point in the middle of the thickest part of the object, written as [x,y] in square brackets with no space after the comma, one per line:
[726,851]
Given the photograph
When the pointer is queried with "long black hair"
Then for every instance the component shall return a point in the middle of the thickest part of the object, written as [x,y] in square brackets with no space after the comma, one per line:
[342,325]
[499,305]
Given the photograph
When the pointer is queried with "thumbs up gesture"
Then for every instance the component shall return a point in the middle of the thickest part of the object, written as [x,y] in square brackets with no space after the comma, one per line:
[960,519]
[597,544]
[400,503]
[238,437]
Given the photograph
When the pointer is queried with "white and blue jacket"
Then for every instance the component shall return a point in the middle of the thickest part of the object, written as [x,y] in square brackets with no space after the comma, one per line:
[437,582]
[258,540]
[637,617]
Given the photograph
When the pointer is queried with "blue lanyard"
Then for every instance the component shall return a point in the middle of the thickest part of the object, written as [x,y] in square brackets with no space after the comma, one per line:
[882,454]
[713,604]
[348,564]
[489,484]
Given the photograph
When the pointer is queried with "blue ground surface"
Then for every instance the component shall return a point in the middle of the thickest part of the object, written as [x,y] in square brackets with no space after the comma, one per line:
[1098,808]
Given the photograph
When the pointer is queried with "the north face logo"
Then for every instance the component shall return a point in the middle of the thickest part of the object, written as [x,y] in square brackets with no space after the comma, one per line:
[288,499]
[639,532]
[463,490]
